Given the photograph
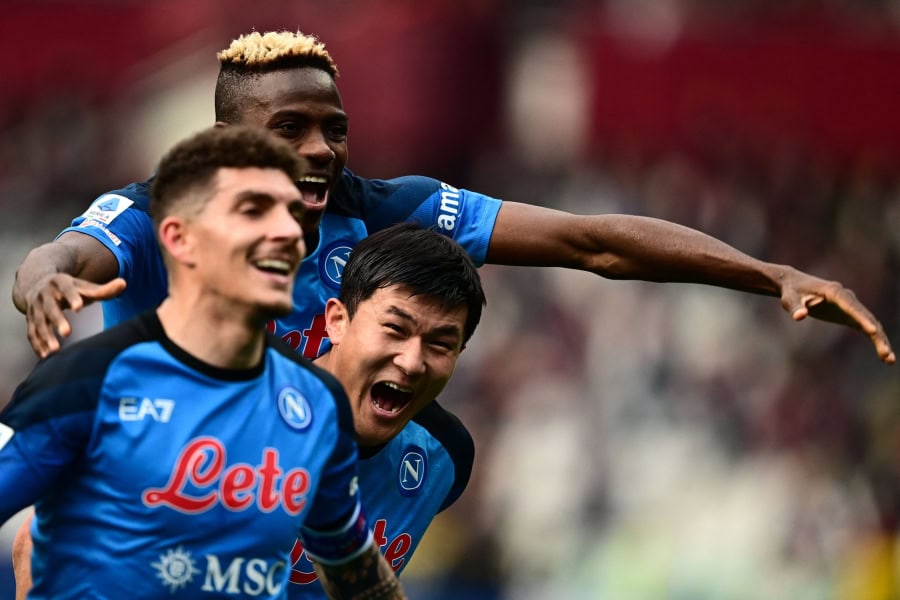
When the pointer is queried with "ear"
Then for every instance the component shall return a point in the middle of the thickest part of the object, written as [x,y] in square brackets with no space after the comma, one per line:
[220,124]
[337,319]
[173,236]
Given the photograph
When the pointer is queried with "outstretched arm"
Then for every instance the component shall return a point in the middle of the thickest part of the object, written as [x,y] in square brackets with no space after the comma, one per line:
[69,272]
[634,247]
[366,577]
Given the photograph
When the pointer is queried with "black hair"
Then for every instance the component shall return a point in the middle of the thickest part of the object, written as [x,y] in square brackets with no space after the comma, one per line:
[421,260]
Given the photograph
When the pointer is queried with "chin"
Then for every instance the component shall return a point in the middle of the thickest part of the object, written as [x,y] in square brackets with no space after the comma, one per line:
[274,310]
[311,220]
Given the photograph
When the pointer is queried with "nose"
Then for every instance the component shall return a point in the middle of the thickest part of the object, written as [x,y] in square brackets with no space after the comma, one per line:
[284,227]
[411,358]
[315,147]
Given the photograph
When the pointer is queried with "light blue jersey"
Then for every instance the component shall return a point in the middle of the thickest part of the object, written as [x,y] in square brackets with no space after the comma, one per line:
[435,449]
[157,475]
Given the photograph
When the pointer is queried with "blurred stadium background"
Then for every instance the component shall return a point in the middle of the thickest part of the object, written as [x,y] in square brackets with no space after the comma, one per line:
[635,441]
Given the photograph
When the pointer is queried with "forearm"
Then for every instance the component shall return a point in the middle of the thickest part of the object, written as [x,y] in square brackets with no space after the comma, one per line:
[649,249]
[626,247]
[366,577]
[39,263]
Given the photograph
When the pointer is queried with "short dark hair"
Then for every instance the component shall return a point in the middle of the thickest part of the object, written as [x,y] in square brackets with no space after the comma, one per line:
[422,260]
[252,54]
[192,164]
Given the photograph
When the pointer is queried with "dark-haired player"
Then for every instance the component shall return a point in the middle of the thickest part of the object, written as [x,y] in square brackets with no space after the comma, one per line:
[285,82]
[178,454]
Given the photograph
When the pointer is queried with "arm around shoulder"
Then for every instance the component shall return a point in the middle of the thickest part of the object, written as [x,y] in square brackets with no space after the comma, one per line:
[69,272]
[72,253]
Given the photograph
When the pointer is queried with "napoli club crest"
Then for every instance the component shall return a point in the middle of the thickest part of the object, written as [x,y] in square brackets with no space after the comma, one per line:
[332,262]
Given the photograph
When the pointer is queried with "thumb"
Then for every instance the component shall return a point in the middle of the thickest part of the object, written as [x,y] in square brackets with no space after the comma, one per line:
[794,305]
[107,290]
[799,309]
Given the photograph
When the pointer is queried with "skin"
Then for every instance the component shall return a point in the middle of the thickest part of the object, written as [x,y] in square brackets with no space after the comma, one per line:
[220,261]
[222,290]
[21,558]
[304,107]
[413,342]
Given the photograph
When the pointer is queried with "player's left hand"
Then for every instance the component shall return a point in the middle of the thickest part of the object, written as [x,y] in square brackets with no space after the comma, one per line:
[803,295]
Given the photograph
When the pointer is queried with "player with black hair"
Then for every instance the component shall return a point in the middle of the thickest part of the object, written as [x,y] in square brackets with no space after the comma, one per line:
[179,453]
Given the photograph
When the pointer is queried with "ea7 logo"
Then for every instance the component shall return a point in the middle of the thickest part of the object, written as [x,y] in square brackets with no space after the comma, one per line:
[138,409]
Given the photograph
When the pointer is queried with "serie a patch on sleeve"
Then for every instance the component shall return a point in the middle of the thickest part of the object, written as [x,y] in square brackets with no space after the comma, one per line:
[107,207]
[6,434]
[92,223]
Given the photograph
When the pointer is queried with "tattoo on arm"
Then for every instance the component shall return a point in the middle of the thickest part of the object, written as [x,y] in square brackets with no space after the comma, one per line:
[366,577]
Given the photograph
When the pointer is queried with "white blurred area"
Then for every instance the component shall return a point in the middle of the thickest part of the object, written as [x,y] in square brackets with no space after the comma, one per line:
[635,441]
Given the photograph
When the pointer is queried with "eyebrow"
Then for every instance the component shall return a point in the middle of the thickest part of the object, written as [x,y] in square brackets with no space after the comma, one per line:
[257,195]
[293,113]
[442,330]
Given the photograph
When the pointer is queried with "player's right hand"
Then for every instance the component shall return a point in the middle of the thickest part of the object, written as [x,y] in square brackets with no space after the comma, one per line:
[50,296]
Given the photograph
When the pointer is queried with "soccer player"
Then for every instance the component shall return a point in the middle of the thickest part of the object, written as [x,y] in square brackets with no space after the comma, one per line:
[286,82]
[410,300]
[178,454]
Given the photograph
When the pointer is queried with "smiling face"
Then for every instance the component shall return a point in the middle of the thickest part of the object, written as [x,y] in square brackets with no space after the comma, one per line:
[303,107]
[393,357]
[239,250]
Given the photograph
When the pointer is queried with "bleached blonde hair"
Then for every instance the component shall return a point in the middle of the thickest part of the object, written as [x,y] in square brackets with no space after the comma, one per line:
[253,54]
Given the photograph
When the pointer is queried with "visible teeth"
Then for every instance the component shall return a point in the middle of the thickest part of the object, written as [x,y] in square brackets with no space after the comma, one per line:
[394,386]
[274,264]
[312,179]
[392,410]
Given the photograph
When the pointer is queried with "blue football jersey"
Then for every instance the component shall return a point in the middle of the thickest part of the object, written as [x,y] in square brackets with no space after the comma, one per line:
[154,474]
[420,472]
[357,208]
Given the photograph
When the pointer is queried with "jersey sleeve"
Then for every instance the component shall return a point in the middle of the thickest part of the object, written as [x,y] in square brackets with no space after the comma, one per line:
[456,440]
[120,221]
[467,217]
[336,529]
[43,431]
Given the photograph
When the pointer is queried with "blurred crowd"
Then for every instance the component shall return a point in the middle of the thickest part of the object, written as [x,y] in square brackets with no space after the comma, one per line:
[635,441]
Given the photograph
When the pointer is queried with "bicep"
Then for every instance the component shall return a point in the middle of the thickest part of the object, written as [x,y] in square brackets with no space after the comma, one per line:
[530,235]
[90,259]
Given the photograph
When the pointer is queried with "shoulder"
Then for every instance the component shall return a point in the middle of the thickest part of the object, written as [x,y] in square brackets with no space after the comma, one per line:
[449,431]
[69,381]
[354,194]
[321,380]
[134,195]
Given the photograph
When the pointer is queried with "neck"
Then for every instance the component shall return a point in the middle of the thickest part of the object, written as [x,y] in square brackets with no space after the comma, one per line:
[212,334]
[324,361]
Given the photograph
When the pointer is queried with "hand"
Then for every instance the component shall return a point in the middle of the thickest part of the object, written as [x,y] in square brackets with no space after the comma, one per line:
[803,295]
[50,297]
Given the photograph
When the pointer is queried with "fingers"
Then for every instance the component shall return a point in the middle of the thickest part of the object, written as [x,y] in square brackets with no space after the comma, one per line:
[46,320]
[837,304]
[45,314]
[883,347]
[867,322]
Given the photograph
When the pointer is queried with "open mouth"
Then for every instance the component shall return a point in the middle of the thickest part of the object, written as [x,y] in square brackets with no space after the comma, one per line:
[389,398]
[313,191]
[275,266]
